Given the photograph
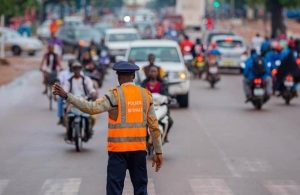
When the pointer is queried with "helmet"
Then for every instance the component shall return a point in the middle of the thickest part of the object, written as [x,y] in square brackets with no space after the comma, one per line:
[214,52]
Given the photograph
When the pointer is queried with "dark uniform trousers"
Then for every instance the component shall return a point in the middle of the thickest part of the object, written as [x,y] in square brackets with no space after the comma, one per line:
[118,163]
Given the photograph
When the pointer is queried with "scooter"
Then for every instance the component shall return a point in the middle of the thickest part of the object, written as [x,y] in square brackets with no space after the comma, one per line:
[259,93]
[160,103]
[213,75]
[288,92]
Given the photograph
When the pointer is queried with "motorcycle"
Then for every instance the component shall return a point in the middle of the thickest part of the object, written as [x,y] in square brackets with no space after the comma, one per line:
[213,75]
[274,71]
[78,126]
[104,59]
[288,92]
[259,95]
[187,55]
[160,103]
[198,65]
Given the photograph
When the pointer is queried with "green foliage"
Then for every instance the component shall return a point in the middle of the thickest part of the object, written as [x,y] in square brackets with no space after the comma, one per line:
[16,7]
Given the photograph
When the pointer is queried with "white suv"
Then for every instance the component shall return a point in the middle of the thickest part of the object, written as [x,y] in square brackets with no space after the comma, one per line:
[118,40]
[169,58]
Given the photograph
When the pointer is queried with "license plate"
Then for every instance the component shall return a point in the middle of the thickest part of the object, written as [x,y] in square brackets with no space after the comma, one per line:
[228,62]
[213,70]
[289,83]
[259,92]
[188,57]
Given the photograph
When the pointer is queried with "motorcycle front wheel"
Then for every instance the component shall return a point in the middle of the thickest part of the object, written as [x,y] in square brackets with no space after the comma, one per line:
[77,138]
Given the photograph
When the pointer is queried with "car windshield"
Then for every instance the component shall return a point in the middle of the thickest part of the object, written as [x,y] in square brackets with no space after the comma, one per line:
[87,34]
[162,54]
[212,35]
[122,37]
[229,44]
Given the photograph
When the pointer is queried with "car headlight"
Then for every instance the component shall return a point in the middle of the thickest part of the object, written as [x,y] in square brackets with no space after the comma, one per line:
[183,75]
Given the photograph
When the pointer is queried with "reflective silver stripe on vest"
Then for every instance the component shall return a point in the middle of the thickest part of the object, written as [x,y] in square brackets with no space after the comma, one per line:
[123,123]
[123,105]
[127,125]
[126,139]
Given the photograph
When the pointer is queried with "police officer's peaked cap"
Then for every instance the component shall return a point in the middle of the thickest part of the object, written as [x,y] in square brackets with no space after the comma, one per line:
[125,67]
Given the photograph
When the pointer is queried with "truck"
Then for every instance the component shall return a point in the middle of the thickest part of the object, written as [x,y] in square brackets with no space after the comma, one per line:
[192,11]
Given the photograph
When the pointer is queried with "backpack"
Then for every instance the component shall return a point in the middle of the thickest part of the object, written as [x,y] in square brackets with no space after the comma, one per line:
[83,84]
[258,67]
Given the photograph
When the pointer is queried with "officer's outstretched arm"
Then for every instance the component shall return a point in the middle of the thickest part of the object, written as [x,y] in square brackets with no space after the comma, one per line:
[91,107]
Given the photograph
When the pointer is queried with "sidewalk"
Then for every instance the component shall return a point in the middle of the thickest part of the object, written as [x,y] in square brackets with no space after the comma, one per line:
[17,67]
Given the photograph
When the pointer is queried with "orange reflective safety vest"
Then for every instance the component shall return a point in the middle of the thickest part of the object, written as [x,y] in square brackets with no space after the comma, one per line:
[128,132]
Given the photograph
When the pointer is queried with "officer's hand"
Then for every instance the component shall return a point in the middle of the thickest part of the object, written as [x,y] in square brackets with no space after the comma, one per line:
[58,90]
[157,161]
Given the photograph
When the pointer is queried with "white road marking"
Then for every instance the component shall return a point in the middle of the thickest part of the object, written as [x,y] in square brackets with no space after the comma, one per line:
[61,186]
[233,171]
[255,166]
[128,188]
[3,185]
[201,186]
[285,187]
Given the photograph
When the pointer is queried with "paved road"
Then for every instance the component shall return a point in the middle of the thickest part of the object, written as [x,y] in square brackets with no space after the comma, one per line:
[219,146]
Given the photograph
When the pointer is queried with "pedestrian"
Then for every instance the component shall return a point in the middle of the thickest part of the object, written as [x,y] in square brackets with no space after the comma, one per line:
[130,112]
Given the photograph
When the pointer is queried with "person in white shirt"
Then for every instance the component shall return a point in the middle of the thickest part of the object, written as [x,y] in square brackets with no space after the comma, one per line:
[63,77]
[257,42]
[80,86]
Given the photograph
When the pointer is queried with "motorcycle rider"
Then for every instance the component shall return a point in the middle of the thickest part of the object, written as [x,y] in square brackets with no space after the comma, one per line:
[186,45]
[49,64]
[63,77]
[155,84]
[151,60]
[79,86]
[288,66]
[273,56]
[197,48]
[57,44]
[249,75]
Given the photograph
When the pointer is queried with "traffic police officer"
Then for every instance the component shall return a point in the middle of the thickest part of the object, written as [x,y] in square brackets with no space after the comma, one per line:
[130,113]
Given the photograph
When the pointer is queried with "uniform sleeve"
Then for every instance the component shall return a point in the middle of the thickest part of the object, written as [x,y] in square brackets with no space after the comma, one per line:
[154,129]
[101,105]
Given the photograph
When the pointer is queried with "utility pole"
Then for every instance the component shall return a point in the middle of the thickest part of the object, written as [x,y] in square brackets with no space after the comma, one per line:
[232,4]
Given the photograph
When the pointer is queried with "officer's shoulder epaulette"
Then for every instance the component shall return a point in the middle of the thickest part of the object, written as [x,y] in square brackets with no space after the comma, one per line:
[114,91]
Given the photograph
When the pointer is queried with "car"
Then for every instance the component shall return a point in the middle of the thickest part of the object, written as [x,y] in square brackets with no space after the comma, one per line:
[118,40]
[18,44]
[43,31]
[73,21]
[170,59]
[209,35]
[233,50]
[146,29]
[73,37]
[102,27]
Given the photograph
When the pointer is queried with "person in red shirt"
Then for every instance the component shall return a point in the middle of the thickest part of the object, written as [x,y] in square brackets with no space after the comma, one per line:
[186,45]
[155,84]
